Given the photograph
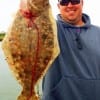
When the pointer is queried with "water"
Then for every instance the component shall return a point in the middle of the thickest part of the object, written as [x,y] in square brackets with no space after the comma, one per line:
[9,87]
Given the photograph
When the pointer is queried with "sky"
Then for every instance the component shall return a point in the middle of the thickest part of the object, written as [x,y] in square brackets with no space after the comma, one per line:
[9,7]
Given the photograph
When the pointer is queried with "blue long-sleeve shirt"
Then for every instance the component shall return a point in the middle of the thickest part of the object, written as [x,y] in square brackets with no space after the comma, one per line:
[75,73]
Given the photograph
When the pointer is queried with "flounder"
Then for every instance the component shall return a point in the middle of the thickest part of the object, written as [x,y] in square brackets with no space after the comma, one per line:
[30,45]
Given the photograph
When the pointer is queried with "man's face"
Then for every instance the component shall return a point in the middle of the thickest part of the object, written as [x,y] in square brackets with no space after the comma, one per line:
[71,13]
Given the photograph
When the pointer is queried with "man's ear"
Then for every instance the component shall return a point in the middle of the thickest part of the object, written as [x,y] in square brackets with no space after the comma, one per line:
[58,5]
[82,2]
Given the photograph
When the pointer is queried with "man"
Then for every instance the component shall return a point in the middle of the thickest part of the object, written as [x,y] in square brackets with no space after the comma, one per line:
[75,74]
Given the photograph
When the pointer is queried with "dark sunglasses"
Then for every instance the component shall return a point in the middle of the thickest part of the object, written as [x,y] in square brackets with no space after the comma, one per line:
[66,2]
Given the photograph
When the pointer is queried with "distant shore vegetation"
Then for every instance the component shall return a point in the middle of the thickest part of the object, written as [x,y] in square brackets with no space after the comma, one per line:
[2,34]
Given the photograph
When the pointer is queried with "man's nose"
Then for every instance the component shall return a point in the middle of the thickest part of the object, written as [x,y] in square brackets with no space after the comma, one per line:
[69,4]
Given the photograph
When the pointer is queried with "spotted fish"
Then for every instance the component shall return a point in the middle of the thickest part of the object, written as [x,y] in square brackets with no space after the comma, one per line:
[30,45]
